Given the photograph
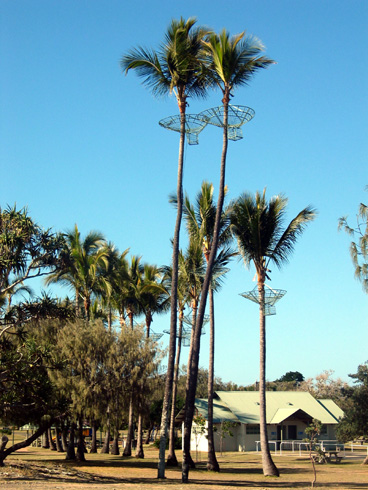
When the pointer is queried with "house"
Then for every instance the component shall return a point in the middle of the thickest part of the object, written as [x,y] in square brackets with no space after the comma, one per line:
[288,413]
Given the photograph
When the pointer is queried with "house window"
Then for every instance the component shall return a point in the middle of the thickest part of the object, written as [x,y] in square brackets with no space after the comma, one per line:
[324,431]
[253,429]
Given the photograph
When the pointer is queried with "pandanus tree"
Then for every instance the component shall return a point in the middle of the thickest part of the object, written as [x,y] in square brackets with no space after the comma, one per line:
[200,220]
[177,67]
[231,62]
[258,226]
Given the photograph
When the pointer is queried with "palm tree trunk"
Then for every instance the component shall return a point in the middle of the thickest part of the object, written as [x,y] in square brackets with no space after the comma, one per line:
[77,303]
[109,319]
[171,458]
[192,382]
[128,445]
[173,303]
[212,463]
[269,467]
[148,323]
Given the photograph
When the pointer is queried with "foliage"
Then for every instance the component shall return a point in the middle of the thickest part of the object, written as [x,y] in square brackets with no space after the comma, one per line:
[324,386]
[177,443]
[26,392]
[312,431]
[355,422]
[225,430]
[293,376]
[26,250]
[26,356]
[359,248]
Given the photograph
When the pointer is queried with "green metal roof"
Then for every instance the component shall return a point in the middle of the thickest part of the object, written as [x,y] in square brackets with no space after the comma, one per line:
[243,406]
[332,408]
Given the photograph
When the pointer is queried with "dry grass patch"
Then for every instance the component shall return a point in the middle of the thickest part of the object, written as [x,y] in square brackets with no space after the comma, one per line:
[39,468]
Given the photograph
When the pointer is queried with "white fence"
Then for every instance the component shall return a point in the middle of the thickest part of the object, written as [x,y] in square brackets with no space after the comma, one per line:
[298,446]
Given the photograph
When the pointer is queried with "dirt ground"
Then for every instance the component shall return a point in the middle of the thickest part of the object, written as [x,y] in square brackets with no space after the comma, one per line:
[37,469]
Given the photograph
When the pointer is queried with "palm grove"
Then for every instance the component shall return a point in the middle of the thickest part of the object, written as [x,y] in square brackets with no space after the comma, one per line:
[65,361]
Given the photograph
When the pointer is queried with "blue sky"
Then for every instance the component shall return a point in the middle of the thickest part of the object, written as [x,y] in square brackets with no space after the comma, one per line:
[80,143]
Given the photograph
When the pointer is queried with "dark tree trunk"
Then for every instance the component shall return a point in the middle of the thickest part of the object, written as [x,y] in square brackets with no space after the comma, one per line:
[46,440]
[149,432]
[171,457]
[81,449]
[70,452]
[130,435]
[52,442]
[106,447]
[59,446]
[173,300]
[115,445]
[5,452]
[64,438]
[212,463]
[94,438]
[269,467]
[192,382]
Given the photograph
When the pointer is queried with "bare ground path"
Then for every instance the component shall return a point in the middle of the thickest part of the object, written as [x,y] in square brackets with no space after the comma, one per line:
[37,469]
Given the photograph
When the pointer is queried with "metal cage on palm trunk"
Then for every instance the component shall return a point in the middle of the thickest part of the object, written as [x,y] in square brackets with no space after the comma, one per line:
[193,126]
[271,297]
[237,116]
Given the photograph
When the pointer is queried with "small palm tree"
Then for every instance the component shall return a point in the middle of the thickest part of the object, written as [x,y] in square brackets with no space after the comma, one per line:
[82,267]
[154,296]
[257,225]
[177,67]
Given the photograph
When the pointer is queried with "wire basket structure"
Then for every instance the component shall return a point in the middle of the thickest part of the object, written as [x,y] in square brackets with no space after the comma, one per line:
[237,116]
[186,332]
[193,126]
[155,336]
[272,296]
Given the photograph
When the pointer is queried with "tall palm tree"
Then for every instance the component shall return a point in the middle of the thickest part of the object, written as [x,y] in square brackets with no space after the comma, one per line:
[200,220]
[183,300]
[154,298]
[257,225]
[81,270]
[177,67]
[232,62]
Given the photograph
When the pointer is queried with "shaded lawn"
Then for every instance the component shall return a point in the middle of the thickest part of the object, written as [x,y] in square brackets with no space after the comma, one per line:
[238,470]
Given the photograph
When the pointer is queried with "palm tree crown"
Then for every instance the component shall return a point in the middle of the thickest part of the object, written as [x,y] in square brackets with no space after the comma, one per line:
[177,67]
[257,225]
[233,60]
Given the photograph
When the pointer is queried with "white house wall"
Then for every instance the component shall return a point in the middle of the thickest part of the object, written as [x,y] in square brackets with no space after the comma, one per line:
[243,441]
